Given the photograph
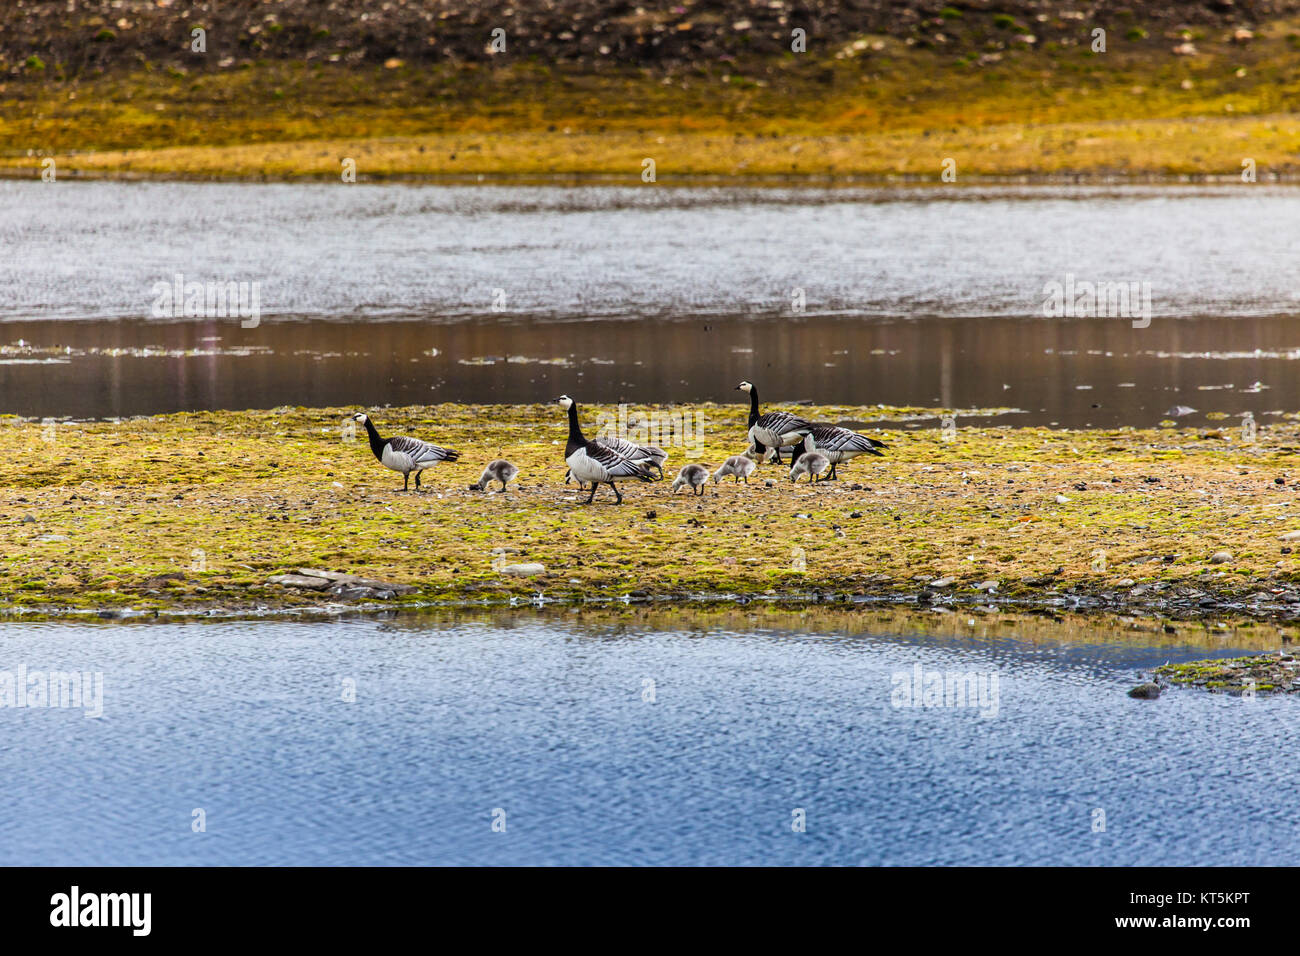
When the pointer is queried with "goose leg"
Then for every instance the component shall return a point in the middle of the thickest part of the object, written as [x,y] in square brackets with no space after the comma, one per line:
[406,481]
[503,487]
[833,476]
[594,486]
[619,499]
[417,481]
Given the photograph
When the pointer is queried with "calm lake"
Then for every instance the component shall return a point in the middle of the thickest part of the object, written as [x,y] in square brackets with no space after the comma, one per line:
[647,738]
[397,294]
[661,738]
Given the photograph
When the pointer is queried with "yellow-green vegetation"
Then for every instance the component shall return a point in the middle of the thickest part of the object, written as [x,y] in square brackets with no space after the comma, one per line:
[874,107]
[1267,673]
[199,510]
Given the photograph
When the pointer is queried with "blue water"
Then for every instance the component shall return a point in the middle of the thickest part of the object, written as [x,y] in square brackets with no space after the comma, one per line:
[544,719]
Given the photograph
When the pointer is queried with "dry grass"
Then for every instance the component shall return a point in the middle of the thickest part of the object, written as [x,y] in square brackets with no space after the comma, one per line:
[1136,110]
[1149,147]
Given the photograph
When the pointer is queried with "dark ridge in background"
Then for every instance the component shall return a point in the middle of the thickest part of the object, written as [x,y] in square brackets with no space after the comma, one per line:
[86,37]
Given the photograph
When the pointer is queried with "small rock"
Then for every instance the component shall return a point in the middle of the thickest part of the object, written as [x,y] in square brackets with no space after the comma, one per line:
[349,592]
[299,581]
[524,570]
[1221,557]
[1290,536]
[1147,691]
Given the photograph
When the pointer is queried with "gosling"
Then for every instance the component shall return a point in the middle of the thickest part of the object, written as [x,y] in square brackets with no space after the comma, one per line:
[811,463]
[693,476]
[739,467]
[497,470]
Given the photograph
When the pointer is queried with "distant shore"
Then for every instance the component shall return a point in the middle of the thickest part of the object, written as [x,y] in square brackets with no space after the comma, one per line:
[1163,102]
[210,511]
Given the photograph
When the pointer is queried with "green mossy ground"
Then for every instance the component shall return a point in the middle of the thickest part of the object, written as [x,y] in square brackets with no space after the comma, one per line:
[198,510]
[1266,673]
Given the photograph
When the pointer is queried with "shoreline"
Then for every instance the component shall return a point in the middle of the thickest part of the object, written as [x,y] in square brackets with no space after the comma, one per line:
[829,181]
[1100,605]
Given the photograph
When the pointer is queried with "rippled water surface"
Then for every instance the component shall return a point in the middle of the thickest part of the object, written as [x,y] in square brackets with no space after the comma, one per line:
[546,719]
[407,294]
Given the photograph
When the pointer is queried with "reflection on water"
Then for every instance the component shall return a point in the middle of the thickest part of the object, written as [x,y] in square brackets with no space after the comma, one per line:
[1070,373]
[406,294]
[631,738]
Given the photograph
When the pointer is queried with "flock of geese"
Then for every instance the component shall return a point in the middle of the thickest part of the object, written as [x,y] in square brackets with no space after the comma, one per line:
[815,449]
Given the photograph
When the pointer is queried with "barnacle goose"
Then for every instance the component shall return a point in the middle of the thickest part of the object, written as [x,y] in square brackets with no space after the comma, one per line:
[811,463]
[403,454]
[738,467]
[652,456]
[770,429]
[593,461]
[692,476]
[836,443]
[497,470]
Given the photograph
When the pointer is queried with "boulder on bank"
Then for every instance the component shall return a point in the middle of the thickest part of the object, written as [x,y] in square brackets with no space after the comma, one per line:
[350,587]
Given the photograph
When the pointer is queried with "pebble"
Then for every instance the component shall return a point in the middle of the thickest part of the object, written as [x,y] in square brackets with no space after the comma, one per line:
[1146,691]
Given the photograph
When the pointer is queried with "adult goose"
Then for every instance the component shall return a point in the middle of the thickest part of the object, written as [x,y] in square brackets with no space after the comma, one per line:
[595,462]
[403,454]
[771,429]
[652,456]
[838,444]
